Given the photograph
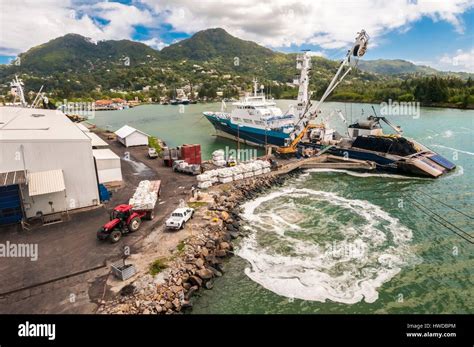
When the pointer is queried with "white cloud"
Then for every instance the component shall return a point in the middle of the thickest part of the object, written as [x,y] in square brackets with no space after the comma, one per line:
[327,23]
[26,23]
[316,54]
[460,61]
[331,24]
[155,43]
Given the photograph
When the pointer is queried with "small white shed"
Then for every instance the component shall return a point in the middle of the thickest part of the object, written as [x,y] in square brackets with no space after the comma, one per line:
[130,136]
[108,165]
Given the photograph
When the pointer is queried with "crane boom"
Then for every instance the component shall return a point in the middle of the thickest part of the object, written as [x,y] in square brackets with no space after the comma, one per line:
[301,128]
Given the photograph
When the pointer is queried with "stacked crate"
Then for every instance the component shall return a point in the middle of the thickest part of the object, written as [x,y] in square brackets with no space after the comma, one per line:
[191,154]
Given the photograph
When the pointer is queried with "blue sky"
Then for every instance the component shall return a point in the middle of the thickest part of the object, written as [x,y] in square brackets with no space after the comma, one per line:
[436,33]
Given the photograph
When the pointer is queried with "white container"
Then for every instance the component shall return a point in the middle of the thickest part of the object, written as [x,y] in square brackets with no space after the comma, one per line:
[238,177]
[225,179]
[204,184]
[203,177]
[258,172]
[220,162]
[248,174]
[212,173]
[225,173]
[266,170]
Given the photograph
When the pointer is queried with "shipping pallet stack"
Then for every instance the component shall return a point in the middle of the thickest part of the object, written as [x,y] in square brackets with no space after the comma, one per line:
[191,154]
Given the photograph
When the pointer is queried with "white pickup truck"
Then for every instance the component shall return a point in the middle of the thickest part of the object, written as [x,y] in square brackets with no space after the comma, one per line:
[179,217]
[152,153]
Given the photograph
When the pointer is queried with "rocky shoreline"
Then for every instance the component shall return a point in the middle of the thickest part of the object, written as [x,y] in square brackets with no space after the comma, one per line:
[199,261]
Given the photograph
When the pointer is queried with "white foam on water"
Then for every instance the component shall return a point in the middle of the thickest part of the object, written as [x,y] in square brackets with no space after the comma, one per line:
[366,174]
[447,133]
[459,172]
[347,271]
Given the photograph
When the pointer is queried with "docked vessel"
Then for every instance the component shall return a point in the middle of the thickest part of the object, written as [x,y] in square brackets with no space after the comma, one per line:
[390,152]
[257,121]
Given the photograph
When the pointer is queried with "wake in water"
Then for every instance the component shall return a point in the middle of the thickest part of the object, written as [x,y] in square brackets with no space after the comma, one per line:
[367,174]
[318,246]
[453,149]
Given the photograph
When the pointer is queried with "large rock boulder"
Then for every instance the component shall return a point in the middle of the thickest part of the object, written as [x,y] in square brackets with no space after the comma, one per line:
[205,274]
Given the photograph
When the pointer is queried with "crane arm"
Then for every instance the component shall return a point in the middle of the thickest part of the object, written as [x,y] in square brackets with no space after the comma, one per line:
[358,50]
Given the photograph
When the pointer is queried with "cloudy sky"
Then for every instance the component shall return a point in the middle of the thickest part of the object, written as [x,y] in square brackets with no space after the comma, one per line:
[439,33]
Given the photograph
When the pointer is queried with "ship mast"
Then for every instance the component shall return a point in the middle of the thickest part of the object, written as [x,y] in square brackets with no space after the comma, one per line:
[303,63]
[255,87]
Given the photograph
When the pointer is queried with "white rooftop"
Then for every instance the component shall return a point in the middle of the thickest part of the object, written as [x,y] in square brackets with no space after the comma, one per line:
[37,124]
[102,154]
[96,141]
[127,130]
[82,127]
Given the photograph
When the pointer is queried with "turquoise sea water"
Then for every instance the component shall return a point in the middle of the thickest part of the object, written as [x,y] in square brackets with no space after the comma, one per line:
[341,242]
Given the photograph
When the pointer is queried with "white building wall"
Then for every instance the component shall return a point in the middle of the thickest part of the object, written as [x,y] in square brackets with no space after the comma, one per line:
[136,139]
[74,157]
[46,204]
[105,164]
[109,175]
[109,170]
[121,140]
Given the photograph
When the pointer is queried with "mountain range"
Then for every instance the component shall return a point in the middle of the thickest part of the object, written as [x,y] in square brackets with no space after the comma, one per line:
[75,65]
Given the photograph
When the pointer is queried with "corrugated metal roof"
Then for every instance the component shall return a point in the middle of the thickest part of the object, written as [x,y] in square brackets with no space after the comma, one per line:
[127,130]
[96,141]
[45,182]
[12,177]
[101,154]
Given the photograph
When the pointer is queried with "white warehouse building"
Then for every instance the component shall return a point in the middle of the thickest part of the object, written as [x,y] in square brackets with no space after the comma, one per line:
[129,136]
[46,165]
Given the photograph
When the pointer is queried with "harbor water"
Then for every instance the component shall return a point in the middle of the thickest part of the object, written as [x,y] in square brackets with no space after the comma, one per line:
[334,241]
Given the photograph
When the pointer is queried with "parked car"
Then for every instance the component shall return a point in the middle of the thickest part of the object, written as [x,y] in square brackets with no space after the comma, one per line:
[179,217]
[152,153]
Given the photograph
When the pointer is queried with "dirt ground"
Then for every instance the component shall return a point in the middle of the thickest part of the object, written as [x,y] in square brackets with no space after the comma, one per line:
[71,273]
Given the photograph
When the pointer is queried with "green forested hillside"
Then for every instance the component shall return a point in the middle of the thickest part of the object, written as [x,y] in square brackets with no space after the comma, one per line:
[212,60]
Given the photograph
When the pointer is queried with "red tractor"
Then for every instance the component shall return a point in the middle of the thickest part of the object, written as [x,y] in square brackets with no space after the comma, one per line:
[123,220]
